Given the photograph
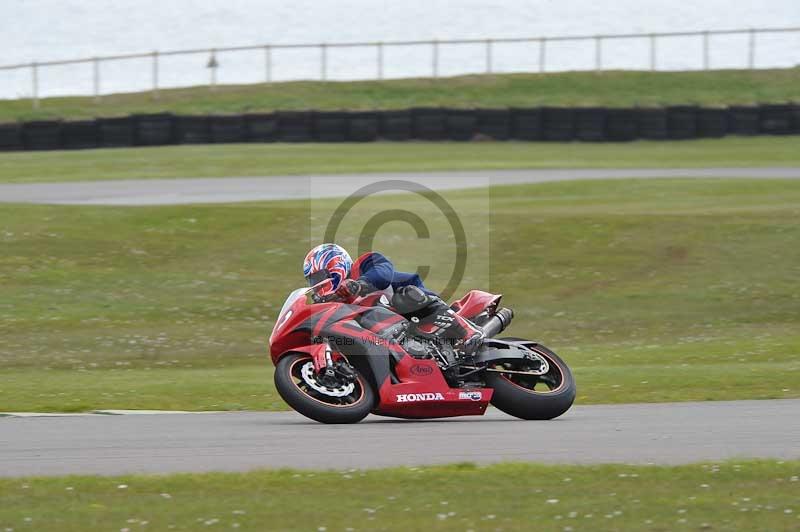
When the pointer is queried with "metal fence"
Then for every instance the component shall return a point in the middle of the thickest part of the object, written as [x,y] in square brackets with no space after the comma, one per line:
[269,50]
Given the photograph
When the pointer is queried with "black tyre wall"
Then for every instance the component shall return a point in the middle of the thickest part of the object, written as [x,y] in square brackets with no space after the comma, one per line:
[493,123]
[776,119]
[295,126]
[744,120]
[429,124]
[363,127]
[116,132]
[621,125]
[682,122]
[590,124]
[155,129]
[261,127]
[227,129]
[11,137]
[42,135]
[712,123]
[652,123]
[461,124]
[527,124]
[330,126]
[396,125]
[558,123]
[79,134]
[192,130]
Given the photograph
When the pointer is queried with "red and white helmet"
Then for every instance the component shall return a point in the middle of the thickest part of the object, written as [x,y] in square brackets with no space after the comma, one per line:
[327,261]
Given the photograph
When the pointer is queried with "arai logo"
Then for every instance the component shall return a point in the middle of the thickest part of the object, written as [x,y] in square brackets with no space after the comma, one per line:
[414,397]
[420,370]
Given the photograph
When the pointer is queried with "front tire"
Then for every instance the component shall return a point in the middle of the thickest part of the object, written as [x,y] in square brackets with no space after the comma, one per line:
[316,401]
[528,397]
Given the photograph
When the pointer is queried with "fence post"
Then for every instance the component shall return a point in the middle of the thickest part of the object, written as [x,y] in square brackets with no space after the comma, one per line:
[96,78]
[212,65]
[542,53]
[652,52]
[379,52]
[435,57]
[706,58]
[488,56]
[35,84]
[323,61]
[155,74]
[598,53]
[751,50]
[268,63]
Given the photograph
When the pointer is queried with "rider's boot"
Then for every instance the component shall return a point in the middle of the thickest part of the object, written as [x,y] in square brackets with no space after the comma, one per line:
[433,318]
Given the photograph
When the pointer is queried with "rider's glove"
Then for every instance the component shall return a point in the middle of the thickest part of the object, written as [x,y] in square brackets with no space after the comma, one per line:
[351,288]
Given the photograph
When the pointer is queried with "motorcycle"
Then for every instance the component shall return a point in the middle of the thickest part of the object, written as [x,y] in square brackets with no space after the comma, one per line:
[337,362]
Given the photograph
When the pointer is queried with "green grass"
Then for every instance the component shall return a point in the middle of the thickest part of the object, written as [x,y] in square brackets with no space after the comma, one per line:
[283,159]
[653,290]
[618,89]
[745,495]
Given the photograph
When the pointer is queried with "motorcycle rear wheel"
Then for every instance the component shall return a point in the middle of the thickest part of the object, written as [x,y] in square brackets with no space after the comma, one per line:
[313,403]
[531,397]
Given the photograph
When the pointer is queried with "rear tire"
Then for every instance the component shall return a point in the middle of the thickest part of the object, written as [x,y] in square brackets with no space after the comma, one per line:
[521,399]
[319,409]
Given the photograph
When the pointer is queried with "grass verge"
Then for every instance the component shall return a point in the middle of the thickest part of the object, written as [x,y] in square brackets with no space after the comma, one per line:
[653,290]
[613,88]
[297,159]
[745,495]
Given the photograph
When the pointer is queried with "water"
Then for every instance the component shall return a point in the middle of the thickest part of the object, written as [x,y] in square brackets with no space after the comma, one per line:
[41,30]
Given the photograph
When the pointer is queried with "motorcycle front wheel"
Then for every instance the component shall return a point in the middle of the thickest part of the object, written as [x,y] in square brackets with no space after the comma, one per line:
[532,396]
[323,402]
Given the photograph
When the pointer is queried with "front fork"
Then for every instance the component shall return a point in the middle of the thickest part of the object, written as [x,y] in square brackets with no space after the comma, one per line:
[331,366]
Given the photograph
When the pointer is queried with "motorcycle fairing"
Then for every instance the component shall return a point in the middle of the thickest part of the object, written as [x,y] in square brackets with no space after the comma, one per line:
[475,302]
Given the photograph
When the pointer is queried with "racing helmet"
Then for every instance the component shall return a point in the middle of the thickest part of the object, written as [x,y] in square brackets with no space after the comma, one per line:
[327,261]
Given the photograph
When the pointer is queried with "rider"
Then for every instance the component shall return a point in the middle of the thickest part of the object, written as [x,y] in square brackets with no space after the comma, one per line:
[373,272]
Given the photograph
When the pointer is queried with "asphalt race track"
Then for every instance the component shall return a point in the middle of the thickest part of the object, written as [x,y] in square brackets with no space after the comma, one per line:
[666,433]
[236,189]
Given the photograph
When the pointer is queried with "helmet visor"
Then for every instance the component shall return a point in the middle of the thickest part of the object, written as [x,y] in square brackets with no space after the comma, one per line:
[317,277]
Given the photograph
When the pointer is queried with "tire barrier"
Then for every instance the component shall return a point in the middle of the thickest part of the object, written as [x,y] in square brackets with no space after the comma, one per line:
[776,119]
[587,124]
[192,130]
[227,129]
[461,124]
[11,137]
[42,135]
[652,123]
[116,132]
[682,122]
[621,125]
[330,127]
[493,124]
[363,127]
[526,124]
[744,120]
[429,124]
[558,123]
[261,127]
[79,135]
[154,129]
[295,126]
[712,123]
[590,124]
[396,125]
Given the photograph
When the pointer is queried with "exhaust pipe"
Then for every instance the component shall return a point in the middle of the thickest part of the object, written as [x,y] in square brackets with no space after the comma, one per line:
[498,322]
